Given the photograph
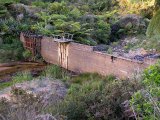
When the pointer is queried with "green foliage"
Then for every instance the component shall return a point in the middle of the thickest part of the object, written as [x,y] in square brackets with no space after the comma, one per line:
[40,4]
[154,26]
[152,75]
[56,72]
[8,1]
[153,43]
[11,50]
[63,17]
[58,7]
[136,7]
[22,76]
[27,54]
[157,4]
[18,78]
[94,97]
[102,32]
[146,101]
[24,107]
[3,11]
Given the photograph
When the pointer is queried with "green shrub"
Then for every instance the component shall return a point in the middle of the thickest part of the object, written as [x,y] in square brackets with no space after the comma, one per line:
[27,54]
[146,102]
[94,97]
[102,32]
[148,43]
[8,1]
[22,76]
[56,72]
[154,26]
[3,11]
[152,75]
[25,106]
[18,78]
[11,50]
[40,4]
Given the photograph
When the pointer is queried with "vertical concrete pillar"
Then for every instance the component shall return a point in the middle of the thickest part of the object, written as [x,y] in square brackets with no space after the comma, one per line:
[63,54]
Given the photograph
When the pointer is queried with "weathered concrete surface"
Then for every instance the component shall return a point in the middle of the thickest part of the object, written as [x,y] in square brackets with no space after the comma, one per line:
[82,58]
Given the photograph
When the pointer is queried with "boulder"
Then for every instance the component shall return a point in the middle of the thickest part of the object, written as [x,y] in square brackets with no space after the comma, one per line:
[51,91]
[128,25]
[20,17]
[130,20]
[21,9]
[100,47]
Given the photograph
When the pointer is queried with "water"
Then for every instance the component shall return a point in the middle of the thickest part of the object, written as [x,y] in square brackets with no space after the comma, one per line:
[10,69]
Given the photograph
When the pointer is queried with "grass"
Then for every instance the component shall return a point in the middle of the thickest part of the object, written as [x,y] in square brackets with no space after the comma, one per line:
[89,77]
[91,93]
[18,78]
[52,71]
[56,72]
[145,42]
[88,94]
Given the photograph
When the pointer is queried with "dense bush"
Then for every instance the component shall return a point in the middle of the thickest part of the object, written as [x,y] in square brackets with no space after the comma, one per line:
[24,106]
[64,17]
[27,54]
[11,47]
[154,26]
[17,78]
[146,102]
[11,51]
[56,72]
[93,97]
[141,7]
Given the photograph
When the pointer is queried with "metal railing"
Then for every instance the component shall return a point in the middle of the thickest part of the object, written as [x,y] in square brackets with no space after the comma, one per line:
[64,37]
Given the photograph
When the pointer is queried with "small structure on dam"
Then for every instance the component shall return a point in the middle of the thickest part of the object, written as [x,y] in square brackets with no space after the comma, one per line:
[61,50]
[32,42]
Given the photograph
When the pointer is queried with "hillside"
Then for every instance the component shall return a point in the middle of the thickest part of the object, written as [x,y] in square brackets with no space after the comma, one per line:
[112,36]
[91,22]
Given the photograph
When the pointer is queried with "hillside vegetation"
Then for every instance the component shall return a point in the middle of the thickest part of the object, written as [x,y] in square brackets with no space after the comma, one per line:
[87,96]
[92,22]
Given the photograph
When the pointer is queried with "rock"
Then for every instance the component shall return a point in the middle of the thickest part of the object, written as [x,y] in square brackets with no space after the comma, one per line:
[127,25]
[139,51]
[130,20]
[20,17]
[139,58]
[51,91]
[21,8]
[100,48]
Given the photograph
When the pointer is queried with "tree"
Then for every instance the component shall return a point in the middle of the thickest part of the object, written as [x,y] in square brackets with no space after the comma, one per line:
[154,26]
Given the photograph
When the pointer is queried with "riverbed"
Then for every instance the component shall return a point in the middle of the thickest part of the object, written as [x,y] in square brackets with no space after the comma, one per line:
[7,70]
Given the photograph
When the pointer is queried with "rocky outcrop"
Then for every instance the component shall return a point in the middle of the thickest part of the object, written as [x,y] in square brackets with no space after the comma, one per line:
[133,20]
[128,25]
[50,90]
[26,101]
[22,9]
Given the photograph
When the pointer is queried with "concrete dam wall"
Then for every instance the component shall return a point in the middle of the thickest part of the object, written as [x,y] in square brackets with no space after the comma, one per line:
[82,58]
